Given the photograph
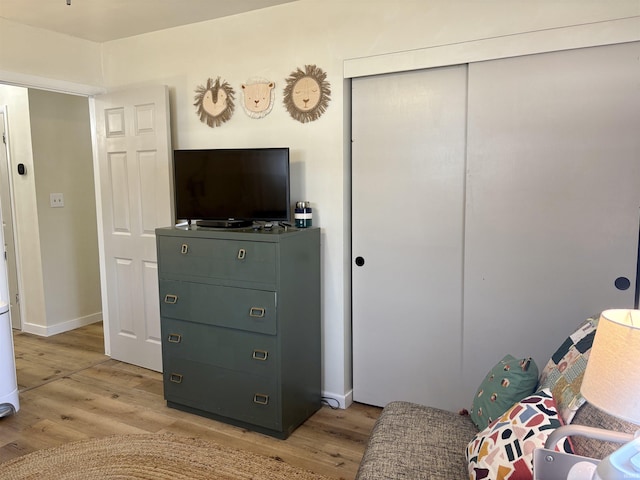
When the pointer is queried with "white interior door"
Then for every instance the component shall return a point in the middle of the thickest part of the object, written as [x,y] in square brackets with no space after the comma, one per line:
[7,228]
[407,196]
[553,199]
[134,197]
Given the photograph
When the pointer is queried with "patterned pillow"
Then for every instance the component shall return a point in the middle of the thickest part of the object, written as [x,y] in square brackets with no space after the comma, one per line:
[564,372]
[509,381]
[504,450]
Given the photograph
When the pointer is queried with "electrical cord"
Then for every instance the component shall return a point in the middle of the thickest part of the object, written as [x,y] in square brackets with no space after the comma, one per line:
[328,402]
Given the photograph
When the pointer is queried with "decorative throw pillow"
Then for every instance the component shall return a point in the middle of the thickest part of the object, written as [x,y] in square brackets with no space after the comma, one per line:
[564,372]
[504,450]
[508,382]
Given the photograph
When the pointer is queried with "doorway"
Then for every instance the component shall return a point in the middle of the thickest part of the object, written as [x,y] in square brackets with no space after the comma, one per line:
[57,264]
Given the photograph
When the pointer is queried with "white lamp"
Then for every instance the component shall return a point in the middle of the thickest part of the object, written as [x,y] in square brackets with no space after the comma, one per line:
[612,378]
[611,383]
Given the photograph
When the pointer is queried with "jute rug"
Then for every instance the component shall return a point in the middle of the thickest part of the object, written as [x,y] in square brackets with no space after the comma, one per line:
[148,457]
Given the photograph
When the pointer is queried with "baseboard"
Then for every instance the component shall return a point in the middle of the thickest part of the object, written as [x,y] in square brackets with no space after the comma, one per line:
[339,401]
[48,330]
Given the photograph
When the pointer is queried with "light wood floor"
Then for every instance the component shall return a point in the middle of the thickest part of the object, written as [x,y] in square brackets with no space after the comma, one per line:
[69,390]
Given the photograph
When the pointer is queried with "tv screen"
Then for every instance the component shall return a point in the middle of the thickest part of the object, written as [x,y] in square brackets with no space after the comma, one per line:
[219,185]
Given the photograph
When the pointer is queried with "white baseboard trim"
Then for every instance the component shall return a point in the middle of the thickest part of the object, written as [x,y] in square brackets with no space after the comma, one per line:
[341,401]
[48,330]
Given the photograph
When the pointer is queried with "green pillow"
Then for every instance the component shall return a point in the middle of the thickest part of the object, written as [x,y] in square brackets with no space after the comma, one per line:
[511,380]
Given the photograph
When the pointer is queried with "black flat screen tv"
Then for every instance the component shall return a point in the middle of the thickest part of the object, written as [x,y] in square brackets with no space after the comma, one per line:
[231,187]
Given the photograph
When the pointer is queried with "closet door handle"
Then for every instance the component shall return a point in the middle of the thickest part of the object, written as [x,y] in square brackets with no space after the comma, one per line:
[171,299]
[184,249]
[622,283]
[257,312]
[242,253]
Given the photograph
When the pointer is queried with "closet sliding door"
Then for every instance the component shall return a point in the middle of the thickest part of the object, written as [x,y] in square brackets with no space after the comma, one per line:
[553,199]
[492,219]
[407,220]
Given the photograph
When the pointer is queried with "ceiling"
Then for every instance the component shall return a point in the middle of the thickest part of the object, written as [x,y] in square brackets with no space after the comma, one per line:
[105,20]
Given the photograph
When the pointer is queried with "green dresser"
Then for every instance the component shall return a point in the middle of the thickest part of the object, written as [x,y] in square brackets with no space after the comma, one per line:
[240,316]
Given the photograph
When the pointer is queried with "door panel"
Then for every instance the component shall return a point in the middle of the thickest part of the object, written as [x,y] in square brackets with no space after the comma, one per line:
[134,170]
[407,199]
[553,198]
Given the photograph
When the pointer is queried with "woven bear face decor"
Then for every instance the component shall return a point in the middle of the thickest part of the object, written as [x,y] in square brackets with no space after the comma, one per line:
[258,96]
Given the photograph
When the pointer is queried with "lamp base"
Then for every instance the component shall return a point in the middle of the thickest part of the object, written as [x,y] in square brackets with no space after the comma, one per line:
[552,465]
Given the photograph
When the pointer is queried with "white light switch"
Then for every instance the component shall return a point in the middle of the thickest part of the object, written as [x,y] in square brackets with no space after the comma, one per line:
[56,200]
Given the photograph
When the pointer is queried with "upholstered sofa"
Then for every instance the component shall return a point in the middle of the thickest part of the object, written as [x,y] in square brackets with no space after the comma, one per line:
[411,441]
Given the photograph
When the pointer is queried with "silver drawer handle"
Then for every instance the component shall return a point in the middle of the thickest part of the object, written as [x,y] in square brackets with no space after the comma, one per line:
[175,378]
[261,399]
[256,312]
[170,299]
[184,249]
[174,338]
[242,253]
[260,355]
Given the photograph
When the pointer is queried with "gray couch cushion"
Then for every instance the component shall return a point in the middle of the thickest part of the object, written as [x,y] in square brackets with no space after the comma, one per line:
[593,417]
[412,442]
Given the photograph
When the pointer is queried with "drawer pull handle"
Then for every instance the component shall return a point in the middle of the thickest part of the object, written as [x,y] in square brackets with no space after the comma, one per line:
[175,378]
[184,249]
[170,299]
[242,253]
[257,312]
[174,338]
[261,399]
[260,355]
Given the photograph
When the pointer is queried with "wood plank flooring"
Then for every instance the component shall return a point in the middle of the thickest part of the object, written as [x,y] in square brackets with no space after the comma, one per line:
[69,390]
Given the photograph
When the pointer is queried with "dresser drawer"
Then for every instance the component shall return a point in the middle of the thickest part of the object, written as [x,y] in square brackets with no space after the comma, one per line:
[222,259]
[223,347]
[240,308]
[242,396]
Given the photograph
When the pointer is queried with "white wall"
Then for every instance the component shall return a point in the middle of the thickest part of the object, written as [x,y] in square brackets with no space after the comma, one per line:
[271,43]
[63,163]
[34,57]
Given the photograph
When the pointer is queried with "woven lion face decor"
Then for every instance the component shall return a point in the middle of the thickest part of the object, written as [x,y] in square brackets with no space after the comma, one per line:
[307,93]
[258,95]
[214,102]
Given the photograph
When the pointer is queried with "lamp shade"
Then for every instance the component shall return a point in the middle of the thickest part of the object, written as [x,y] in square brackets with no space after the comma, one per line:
[612,378]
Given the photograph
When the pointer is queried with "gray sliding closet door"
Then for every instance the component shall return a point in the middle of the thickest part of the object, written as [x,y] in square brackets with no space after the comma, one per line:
[553,199]
[407,222]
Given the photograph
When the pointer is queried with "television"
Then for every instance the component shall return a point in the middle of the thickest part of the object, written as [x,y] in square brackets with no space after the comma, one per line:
[231,187]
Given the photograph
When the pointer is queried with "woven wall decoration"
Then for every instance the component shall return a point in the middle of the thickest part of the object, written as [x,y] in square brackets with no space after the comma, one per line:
[307,94]
[214,102]
[258,96]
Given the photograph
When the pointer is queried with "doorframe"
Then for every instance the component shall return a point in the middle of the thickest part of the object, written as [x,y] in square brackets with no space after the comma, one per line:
[100,225]
[596,34]
[16,245]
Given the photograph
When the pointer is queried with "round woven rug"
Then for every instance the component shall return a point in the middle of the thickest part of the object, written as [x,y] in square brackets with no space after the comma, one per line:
[149,457]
